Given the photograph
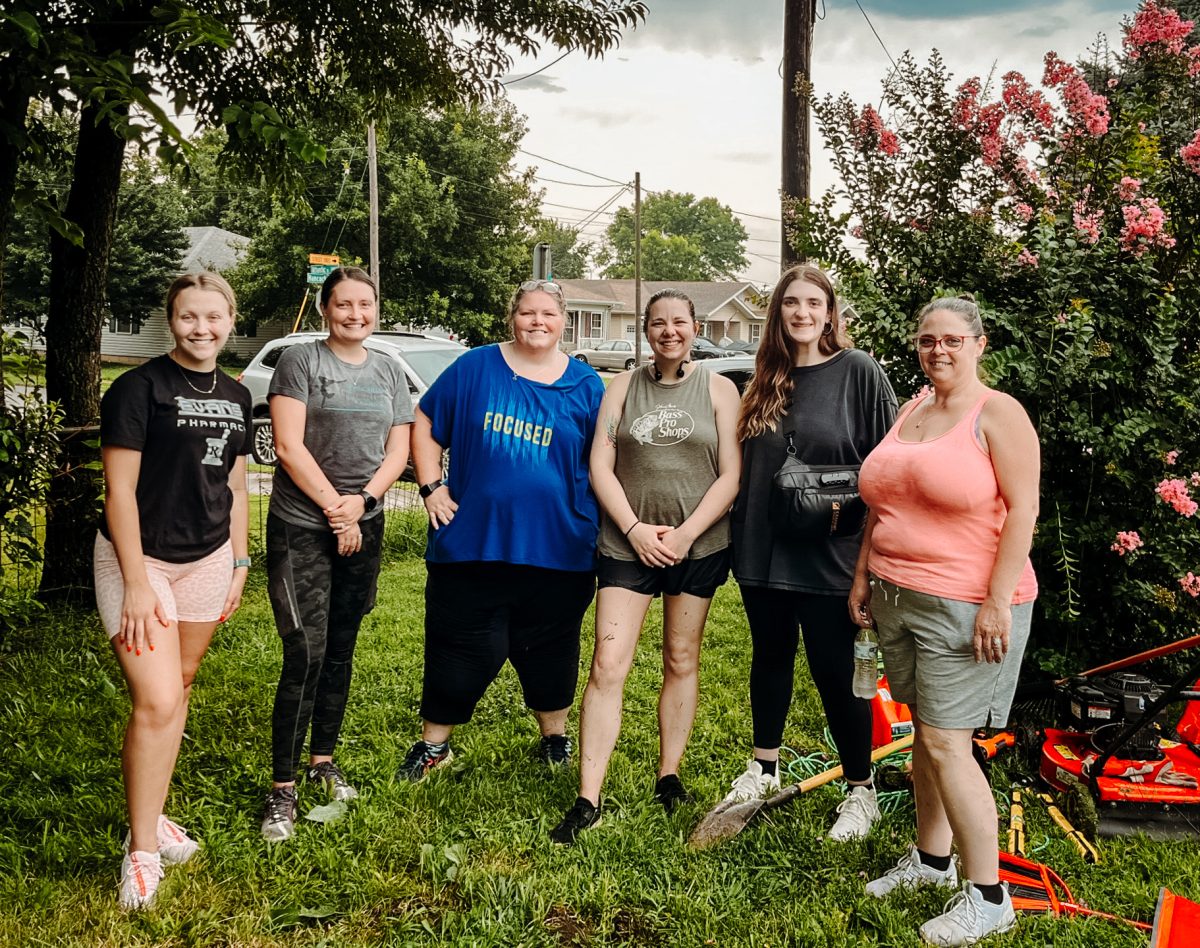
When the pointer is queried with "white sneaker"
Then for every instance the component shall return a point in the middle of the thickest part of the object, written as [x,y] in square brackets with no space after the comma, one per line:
[175,847]
[752,784]
[911,873]
[856,814]
[968,917]
[140,875]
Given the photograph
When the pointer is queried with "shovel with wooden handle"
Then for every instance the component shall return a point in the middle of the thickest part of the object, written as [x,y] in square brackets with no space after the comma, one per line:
[726,820]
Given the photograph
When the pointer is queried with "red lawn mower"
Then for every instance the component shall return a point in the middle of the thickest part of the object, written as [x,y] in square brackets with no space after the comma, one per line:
[1143,774]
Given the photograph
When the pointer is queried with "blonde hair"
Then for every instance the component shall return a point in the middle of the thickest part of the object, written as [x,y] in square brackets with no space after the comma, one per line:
[203,280]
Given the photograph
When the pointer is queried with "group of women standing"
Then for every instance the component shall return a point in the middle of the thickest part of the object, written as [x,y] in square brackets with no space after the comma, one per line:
[554,487]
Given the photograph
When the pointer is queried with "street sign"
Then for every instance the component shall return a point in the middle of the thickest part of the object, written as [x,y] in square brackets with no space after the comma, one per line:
[328,259]
[318,272]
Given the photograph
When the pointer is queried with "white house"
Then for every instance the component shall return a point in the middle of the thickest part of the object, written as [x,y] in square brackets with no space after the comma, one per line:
[604,309]
[209,248]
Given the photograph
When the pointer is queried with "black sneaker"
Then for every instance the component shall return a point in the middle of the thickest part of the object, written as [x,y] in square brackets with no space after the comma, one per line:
[670,792]
[555,750]
[580,817]
[280,813]
[330,776]
[421,759]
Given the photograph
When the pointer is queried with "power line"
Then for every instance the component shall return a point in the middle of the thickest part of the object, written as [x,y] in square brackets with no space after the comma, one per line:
[590,174]
[877,36]
[513,82]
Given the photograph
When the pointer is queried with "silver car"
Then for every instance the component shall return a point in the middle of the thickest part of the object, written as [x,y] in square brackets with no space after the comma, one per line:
[738,369]
[613,354]
[422,358]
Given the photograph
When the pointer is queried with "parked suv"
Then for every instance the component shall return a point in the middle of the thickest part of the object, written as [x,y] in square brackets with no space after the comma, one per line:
[421,357]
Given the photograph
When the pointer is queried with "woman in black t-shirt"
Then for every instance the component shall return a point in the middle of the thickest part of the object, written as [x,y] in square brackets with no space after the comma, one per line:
[836,404]
[171,556]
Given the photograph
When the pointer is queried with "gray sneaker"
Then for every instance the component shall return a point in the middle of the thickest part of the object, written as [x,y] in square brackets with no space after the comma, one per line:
[968,918]
[279,814]
[911,873]
[330,776]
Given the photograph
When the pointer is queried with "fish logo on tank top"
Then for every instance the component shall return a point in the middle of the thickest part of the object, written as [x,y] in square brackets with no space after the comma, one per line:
[663,426]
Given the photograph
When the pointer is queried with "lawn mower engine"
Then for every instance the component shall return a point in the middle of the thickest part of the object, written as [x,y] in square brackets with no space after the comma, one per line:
[1101,706]
[1146,782]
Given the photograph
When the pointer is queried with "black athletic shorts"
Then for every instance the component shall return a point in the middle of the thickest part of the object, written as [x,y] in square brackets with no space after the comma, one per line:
[699,577]
[477,615]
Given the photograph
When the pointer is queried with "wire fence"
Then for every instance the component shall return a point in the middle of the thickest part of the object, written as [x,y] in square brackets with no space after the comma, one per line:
[404,533]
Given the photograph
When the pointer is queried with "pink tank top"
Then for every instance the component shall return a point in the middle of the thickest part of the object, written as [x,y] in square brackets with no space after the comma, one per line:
[939,512]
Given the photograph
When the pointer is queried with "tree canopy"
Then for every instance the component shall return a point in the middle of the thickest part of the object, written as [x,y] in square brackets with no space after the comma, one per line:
[682,239]
[568,254]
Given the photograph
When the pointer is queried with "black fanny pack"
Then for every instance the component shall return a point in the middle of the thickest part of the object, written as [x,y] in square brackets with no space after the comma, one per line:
[815,501]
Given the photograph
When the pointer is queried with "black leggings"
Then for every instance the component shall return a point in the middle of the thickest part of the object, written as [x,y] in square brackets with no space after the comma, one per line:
[319,599]
[776,617]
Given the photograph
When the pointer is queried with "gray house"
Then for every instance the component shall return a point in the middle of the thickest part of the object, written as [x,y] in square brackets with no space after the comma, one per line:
[604,309]
[209,248]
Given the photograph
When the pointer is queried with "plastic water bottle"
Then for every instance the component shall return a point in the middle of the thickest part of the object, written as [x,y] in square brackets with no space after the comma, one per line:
[866,678]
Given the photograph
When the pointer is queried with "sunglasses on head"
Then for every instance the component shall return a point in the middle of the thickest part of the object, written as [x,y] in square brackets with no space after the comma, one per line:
[548,286]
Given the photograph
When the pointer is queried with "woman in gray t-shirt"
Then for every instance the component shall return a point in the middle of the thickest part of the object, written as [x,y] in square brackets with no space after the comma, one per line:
[341,414]
[665,473]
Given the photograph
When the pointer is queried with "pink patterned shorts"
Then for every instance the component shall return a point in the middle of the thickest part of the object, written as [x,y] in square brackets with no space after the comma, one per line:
[188,592]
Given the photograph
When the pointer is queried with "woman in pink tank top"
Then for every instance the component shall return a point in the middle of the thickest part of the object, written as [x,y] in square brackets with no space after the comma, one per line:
[944,574]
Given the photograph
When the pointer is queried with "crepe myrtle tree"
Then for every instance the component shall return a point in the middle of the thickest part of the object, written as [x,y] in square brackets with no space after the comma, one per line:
[1069,206]
[269,73]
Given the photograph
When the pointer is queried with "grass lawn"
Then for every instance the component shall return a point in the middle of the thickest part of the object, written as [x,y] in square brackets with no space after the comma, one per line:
[463,858]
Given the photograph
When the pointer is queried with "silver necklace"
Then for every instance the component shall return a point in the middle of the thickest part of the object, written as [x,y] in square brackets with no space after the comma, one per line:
[199,391]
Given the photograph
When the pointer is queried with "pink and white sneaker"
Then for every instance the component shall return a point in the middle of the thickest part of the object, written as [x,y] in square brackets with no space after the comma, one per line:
[174,845]
[140,875]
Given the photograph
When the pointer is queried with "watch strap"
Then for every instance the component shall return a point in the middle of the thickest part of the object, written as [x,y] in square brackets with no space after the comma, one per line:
[370,501]
[241,561]
[427,489]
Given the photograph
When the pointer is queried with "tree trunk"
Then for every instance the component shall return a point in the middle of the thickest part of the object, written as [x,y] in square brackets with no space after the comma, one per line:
[13,110]
[78,278]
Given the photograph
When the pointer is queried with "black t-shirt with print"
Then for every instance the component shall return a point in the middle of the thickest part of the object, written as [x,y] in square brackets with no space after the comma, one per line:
[189,440]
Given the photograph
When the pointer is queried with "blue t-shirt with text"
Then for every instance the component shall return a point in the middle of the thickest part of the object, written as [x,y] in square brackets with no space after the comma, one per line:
[518,463]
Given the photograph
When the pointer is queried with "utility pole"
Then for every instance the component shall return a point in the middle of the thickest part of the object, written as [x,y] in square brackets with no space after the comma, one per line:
[798,19]
[637,268]
[373,171]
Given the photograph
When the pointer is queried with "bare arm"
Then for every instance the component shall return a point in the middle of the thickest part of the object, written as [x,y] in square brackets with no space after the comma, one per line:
[427,465]
[288,418]
[239,529]
[140,610]
[723,491]
[1016,458]
[860,588]
[645,538]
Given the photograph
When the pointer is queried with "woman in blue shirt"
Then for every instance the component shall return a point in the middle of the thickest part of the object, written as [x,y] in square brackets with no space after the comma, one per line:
[512,527]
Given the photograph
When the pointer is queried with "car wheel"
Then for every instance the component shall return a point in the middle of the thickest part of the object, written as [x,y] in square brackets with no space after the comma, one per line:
[582,359]
[264,443]
[629,364]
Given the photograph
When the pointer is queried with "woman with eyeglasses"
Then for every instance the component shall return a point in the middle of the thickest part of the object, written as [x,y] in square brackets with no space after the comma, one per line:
[944,574]
[342,415]
[666,472]
[833,403]
[512,526]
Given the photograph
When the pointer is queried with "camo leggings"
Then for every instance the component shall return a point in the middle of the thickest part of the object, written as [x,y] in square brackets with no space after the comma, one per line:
[319,600]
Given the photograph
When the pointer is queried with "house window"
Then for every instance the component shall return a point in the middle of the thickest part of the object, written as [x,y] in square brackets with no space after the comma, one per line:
[755,332]
[125,325]
[597,325]
[569,328]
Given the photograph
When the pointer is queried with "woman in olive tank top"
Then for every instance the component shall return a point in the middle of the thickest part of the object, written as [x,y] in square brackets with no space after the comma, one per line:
[665,465]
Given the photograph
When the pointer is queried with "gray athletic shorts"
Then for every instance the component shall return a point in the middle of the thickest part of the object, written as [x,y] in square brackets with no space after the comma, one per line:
[928,652]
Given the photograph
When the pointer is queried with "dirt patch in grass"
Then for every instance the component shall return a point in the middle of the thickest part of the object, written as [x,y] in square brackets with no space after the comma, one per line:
[570,927]
[633,928]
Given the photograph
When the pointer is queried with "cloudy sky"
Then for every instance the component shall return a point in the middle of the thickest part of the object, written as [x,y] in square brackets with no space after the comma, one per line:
[692,99]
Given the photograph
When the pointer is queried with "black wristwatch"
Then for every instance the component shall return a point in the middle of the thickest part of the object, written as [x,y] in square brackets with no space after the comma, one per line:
[427,489]
[370,501]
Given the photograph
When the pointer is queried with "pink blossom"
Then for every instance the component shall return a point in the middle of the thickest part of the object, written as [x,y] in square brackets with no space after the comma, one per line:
[1154,26]
[1026,258]
[966,104]
[1190,153]
[1195,478]
[1087,225]
[1061,319]
[1056,71]
[870,132]
[1170,458]
[1142,127]
[1174,491]
[1128,188]
[1144,227]
[1112,83]
[1127,541]
[856,231]
[1190,584]
[1023,211]
[1020,98]
[889,144]
[1193,55]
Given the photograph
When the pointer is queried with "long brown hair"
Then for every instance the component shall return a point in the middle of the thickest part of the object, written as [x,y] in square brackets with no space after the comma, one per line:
[770,389]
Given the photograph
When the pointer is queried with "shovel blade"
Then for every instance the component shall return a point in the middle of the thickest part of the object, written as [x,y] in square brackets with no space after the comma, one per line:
[724,822]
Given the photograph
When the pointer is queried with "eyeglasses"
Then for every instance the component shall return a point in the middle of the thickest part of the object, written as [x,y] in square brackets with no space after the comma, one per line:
[548,286]
[949,343]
